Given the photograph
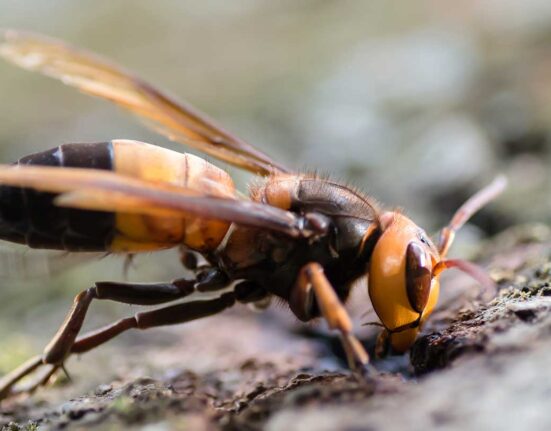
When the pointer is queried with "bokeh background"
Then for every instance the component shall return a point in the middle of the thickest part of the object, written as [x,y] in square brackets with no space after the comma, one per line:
[418,103]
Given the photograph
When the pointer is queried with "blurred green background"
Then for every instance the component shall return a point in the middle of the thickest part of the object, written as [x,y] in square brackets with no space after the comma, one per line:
[418,103]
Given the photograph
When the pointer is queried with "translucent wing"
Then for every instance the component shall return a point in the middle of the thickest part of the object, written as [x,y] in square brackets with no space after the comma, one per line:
[18,263]
[102,190]
[95,76]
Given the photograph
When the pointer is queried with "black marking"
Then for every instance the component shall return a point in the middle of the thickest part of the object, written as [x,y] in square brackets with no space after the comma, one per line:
[30,217]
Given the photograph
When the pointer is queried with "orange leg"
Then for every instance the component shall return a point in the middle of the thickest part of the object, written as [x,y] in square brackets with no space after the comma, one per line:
[312,284]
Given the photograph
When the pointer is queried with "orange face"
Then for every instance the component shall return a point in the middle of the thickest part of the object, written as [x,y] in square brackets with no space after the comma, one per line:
[402,287]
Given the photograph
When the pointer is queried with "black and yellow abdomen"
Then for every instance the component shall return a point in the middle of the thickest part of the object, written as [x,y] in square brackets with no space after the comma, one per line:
[30,217]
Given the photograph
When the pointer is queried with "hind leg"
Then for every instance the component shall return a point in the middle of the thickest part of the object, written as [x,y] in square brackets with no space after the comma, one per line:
[65,340]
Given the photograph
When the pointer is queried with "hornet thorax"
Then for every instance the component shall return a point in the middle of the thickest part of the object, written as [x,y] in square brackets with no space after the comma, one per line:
[274,260]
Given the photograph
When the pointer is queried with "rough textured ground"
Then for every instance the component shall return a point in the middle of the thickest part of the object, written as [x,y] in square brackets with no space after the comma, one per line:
[314,84]
[480,366]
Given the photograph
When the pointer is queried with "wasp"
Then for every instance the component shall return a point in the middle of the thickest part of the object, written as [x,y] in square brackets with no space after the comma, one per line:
[297,236]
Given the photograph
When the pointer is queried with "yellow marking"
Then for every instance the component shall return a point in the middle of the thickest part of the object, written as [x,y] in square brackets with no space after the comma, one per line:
[387,279]
[149,162]
[280,190]
[403,340]
[122,244]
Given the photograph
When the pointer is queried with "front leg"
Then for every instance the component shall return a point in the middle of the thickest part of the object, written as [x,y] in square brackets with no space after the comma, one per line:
[312,284]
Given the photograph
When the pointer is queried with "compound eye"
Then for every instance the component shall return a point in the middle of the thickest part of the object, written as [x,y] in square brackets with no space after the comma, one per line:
[418,276]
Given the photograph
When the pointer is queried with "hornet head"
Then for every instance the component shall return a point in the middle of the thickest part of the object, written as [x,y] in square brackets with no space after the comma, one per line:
[405,266]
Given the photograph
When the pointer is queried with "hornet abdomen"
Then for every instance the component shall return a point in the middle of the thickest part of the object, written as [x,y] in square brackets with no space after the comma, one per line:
[30,217]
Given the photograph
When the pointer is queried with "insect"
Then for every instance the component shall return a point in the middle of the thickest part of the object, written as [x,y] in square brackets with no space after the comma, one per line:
[298,236]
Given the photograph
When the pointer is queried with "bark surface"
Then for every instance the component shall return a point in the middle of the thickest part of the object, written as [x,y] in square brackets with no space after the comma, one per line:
[480,365]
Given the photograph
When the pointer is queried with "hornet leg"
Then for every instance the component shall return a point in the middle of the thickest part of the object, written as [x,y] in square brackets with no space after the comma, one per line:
[313,285]
[63,342]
